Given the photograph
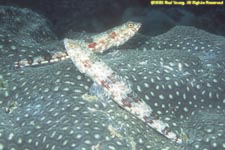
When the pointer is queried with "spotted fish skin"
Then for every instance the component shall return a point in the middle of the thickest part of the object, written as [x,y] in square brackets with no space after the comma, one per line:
[89,64]
[97,43]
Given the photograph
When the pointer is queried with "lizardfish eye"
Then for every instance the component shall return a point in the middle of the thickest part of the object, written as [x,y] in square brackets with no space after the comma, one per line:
[130,25]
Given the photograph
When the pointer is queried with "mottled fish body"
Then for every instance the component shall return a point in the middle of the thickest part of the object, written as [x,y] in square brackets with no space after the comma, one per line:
[89,64]
[97,43]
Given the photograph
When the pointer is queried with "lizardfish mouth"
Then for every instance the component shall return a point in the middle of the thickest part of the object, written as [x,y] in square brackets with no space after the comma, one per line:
[137,26]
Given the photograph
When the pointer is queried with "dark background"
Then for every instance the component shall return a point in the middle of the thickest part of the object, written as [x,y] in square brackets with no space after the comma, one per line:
[99,15]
